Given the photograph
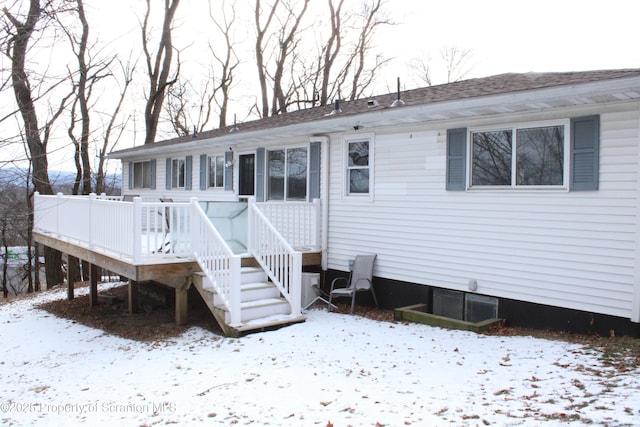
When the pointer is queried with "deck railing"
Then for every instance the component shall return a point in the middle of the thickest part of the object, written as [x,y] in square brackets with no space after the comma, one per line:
[142,232]
[274,254]
[298,222]
[136,231]
[220,266]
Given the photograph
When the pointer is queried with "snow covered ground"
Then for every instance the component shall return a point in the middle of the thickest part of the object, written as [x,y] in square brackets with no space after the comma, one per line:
[336,368]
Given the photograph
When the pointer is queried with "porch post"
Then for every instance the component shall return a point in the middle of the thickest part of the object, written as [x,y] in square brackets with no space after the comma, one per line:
[92,198]
[137,230]
[296,288]
[251,241]
[235,298]
[133,296]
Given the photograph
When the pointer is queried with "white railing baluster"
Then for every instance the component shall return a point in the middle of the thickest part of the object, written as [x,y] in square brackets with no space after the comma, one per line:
[298,222]
[281,262]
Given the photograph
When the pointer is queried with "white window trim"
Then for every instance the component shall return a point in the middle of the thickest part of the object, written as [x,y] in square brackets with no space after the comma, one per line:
[345,165]
[513,127]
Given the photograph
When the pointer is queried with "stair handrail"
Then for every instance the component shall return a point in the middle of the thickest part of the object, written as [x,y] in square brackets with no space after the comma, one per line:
[279,260]
[219,264]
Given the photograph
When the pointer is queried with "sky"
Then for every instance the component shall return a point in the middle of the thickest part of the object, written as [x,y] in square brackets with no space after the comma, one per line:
[515,36]
[334,368]
[502,36]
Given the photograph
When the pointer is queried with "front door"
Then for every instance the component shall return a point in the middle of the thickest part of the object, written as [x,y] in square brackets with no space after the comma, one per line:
[247,174]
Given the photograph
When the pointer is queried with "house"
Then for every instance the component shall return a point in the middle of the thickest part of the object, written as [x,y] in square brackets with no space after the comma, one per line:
[515,195]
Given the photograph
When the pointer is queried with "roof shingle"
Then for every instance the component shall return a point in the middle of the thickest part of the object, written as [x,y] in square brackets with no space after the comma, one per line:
[478,87]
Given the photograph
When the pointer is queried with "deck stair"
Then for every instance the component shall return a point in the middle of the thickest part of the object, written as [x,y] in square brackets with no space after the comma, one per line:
[262,306]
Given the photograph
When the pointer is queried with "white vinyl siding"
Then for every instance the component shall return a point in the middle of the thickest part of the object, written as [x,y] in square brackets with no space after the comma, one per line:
[569,249]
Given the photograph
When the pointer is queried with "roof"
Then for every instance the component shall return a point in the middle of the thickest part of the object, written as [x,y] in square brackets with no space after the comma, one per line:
[509,83]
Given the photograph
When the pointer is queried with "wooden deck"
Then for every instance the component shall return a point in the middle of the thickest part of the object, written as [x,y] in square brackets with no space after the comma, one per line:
[174,272]
[171,272]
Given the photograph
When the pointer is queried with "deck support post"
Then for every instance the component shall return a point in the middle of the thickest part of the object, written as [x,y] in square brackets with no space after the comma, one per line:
[93,284]
[133,296]
[181,306]
[72,273]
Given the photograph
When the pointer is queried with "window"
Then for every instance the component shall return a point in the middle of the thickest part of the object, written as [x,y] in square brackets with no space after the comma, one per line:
[142,174]
[216,171]
[287,174]
[358,176]
[178,171]
[559,154]
[519,156]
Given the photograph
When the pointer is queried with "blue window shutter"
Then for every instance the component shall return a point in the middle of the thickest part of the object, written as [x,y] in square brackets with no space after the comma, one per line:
[456,159]
[228,171]
[188,175]
[585,153]
[167,174]
[203,172]
[152,178]
[314,170]
[260,178]
[130,175]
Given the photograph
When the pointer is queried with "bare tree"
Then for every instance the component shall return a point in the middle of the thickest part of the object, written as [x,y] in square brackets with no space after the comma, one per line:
[422,71]
[362,76]
[158,68]
[228,62]
[5,257]
[190,109]
[16,48]
[113,130]
[287,43]
[89,72]
[330,51]
[345,64]
[457,62]
[274,50]
[82,100]
[261,34]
